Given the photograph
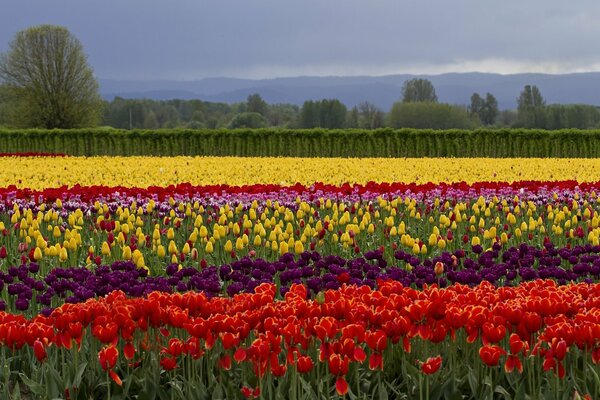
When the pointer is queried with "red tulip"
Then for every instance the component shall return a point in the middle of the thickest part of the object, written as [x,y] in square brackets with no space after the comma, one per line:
[515,343]
[129,350]
[431,365]
[512,363]
[168,363]
[490,354]
[225,362]
[108,357]
[239,355]
[376,361]
[113,375]
[376,340]
[304,364]
[341,386]
[40,351]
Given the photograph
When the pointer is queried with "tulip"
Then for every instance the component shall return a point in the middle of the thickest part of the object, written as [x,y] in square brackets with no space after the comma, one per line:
[108,357]
[431,365]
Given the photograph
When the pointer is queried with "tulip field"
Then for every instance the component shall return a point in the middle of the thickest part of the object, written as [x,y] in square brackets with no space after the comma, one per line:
[299,278]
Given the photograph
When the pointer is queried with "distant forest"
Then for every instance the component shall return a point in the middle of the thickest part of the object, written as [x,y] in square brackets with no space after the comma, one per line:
[418,107]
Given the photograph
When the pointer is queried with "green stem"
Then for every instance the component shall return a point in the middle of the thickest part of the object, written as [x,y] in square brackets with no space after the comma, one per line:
[108,385]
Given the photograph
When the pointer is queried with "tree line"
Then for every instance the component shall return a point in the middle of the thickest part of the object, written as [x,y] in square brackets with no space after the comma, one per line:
[46,82]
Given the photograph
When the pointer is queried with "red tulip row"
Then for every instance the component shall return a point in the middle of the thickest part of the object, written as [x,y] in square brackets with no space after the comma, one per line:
[352,326]
[368,190]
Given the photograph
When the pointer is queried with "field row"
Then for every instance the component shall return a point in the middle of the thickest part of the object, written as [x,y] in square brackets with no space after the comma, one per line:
[44,172]
[307,143]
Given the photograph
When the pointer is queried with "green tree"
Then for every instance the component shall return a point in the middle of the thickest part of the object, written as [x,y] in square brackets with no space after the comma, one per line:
[578,116]
[418,90]
[370,116]
[255,103]
[329,114]
[283,115]
[49,80]
[353,118]
[531,108]
[248,120]
[150,120]
[486,110]
[490,110]
[476,106]
[429,116]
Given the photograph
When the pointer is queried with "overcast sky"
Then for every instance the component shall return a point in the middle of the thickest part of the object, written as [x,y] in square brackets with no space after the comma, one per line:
[192,39]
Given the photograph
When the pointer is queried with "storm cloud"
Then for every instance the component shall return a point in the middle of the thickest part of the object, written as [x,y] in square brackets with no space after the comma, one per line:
[193,39]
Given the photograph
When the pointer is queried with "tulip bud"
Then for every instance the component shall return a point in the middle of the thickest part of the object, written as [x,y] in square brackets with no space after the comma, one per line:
[283,248]
[63,256]
[209,247]
[298,247]
[37,254]
[3,252]
[126,253]
[439,268]
[105,249]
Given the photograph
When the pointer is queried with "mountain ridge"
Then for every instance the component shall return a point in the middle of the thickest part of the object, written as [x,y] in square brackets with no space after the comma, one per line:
[383,91]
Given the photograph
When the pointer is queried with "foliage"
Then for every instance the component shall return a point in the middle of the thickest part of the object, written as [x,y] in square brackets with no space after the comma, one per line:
[530,107]
[486,110]
[308,143]
[418,90]
[256,104]
[423,115]
[328,114]
[49,82]
[578,116]
[248,120]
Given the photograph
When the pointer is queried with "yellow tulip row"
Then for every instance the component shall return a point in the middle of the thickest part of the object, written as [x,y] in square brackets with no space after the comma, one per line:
[40,173]
[273,229]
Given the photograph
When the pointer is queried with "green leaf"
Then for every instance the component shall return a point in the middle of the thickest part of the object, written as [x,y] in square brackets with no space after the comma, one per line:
[79,374]
[499,389]
[383,394]
[308,389]
[472,379]
[16,392]
[217,393]
[35,387]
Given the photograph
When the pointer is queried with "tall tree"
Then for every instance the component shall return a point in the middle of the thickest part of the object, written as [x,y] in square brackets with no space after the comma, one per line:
[418,90]
[255,103]
[490,110]
[49,79]
[330,114]
[530,107]
[486,110]
[370,116]
[424,115]
[476,106]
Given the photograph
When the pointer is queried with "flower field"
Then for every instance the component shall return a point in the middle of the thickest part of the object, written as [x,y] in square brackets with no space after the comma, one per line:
[37,173]
[184,278]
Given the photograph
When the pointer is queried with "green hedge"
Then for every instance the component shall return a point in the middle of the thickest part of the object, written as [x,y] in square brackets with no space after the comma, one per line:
[307,143]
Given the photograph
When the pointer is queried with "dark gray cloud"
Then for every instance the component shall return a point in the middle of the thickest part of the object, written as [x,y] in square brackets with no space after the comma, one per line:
[188,39]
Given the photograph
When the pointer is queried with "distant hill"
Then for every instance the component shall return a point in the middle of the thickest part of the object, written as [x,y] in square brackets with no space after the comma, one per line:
[383,91]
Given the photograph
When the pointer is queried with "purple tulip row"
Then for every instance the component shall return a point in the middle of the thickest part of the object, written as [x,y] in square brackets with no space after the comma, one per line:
[21,286]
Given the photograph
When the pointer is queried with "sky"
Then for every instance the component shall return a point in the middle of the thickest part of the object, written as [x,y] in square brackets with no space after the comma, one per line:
[257,39]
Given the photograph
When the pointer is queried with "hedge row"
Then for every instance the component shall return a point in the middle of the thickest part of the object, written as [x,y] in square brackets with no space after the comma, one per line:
[307,143]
